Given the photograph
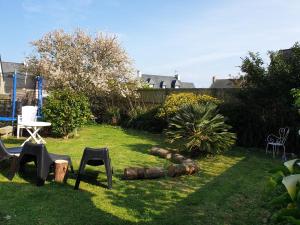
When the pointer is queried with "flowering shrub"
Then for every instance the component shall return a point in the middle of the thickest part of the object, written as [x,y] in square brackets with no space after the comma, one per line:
[175,101]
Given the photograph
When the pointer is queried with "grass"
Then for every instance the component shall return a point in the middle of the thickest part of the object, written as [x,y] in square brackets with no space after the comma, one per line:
[228,190]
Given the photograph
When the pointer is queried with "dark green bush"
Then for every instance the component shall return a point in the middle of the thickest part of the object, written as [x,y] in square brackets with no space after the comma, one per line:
[144,118]
[112,115]
[201,129]
[265,103]
[67,111]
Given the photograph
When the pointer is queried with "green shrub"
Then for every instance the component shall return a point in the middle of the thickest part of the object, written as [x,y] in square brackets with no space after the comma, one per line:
[201,129]
[175,101]
[67,111]
[144,118]
[112,115]
[264,103]
[296,94]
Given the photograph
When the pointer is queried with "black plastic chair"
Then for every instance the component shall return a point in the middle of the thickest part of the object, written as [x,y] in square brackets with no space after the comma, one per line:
[44,161]
[95,157]
[11,154]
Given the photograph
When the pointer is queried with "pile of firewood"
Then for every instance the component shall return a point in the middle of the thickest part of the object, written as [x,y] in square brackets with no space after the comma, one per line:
[182,166]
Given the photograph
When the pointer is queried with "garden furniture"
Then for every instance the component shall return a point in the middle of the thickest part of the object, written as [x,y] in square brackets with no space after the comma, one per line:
[10,154]
[277,142]
[43,160]
[28,115]
[33,129]
[95,157]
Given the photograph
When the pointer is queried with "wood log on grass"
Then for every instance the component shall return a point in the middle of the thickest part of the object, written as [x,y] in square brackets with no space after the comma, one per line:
[161,152]
[61,170]
[177,158]
[134,173]
[186,168]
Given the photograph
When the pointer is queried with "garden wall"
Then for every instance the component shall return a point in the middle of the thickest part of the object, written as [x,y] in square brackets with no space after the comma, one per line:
[158,96]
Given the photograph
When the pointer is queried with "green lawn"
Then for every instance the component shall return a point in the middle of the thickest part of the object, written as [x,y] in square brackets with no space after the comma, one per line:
[228,190]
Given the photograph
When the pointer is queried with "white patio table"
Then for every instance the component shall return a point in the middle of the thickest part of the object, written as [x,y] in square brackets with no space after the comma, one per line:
[33,128]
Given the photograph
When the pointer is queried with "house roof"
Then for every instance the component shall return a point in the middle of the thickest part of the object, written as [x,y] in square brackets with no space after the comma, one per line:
[223,83]
[10,67]
[170,81]
[188,85]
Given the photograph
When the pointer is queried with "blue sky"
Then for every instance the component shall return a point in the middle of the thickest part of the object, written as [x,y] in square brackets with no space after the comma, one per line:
[197,38]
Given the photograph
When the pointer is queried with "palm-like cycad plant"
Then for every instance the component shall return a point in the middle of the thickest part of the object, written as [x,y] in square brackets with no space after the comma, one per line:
[200,128]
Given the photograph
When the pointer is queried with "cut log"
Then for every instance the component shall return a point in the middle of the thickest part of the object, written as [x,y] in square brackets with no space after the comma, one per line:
[155,172]
[177,158]
[161,152]
[175,170]
[134,173]
[61,170]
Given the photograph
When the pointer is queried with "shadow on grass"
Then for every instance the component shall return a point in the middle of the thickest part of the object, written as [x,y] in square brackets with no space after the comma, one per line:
[140,148]
[51,204]
[14,141]
[90,176]
[230,193]
[233,197]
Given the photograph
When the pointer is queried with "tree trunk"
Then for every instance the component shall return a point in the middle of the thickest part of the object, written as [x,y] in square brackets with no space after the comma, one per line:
[134,173]
[61,170]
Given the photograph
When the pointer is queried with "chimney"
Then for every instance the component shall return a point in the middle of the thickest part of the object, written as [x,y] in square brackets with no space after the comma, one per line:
[177,77]
[138,73]
[213,79]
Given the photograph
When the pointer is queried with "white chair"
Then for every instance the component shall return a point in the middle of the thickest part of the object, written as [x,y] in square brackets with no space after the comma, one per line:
[278,141]
[28,115]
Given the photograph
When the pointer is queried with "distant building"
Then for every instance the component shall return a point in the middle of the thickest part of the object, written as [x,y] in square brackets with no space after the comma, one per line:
[160,81]
[225,83]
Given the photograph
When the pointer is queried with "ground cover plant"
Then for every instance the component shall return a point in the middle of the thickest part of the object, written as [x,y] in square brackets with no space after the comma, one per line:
[285,193]
[229,189]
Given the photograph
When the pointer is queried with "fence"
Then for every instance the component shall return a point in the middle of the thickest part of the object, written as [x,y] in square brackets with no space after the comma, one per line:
[158,96]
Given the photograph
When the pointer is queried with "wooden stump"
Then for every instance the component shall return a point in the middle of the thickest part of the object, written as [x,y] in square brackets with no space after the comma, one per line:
[5,132]
[134,173]
[175,170]
[61,170]
[161,152]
